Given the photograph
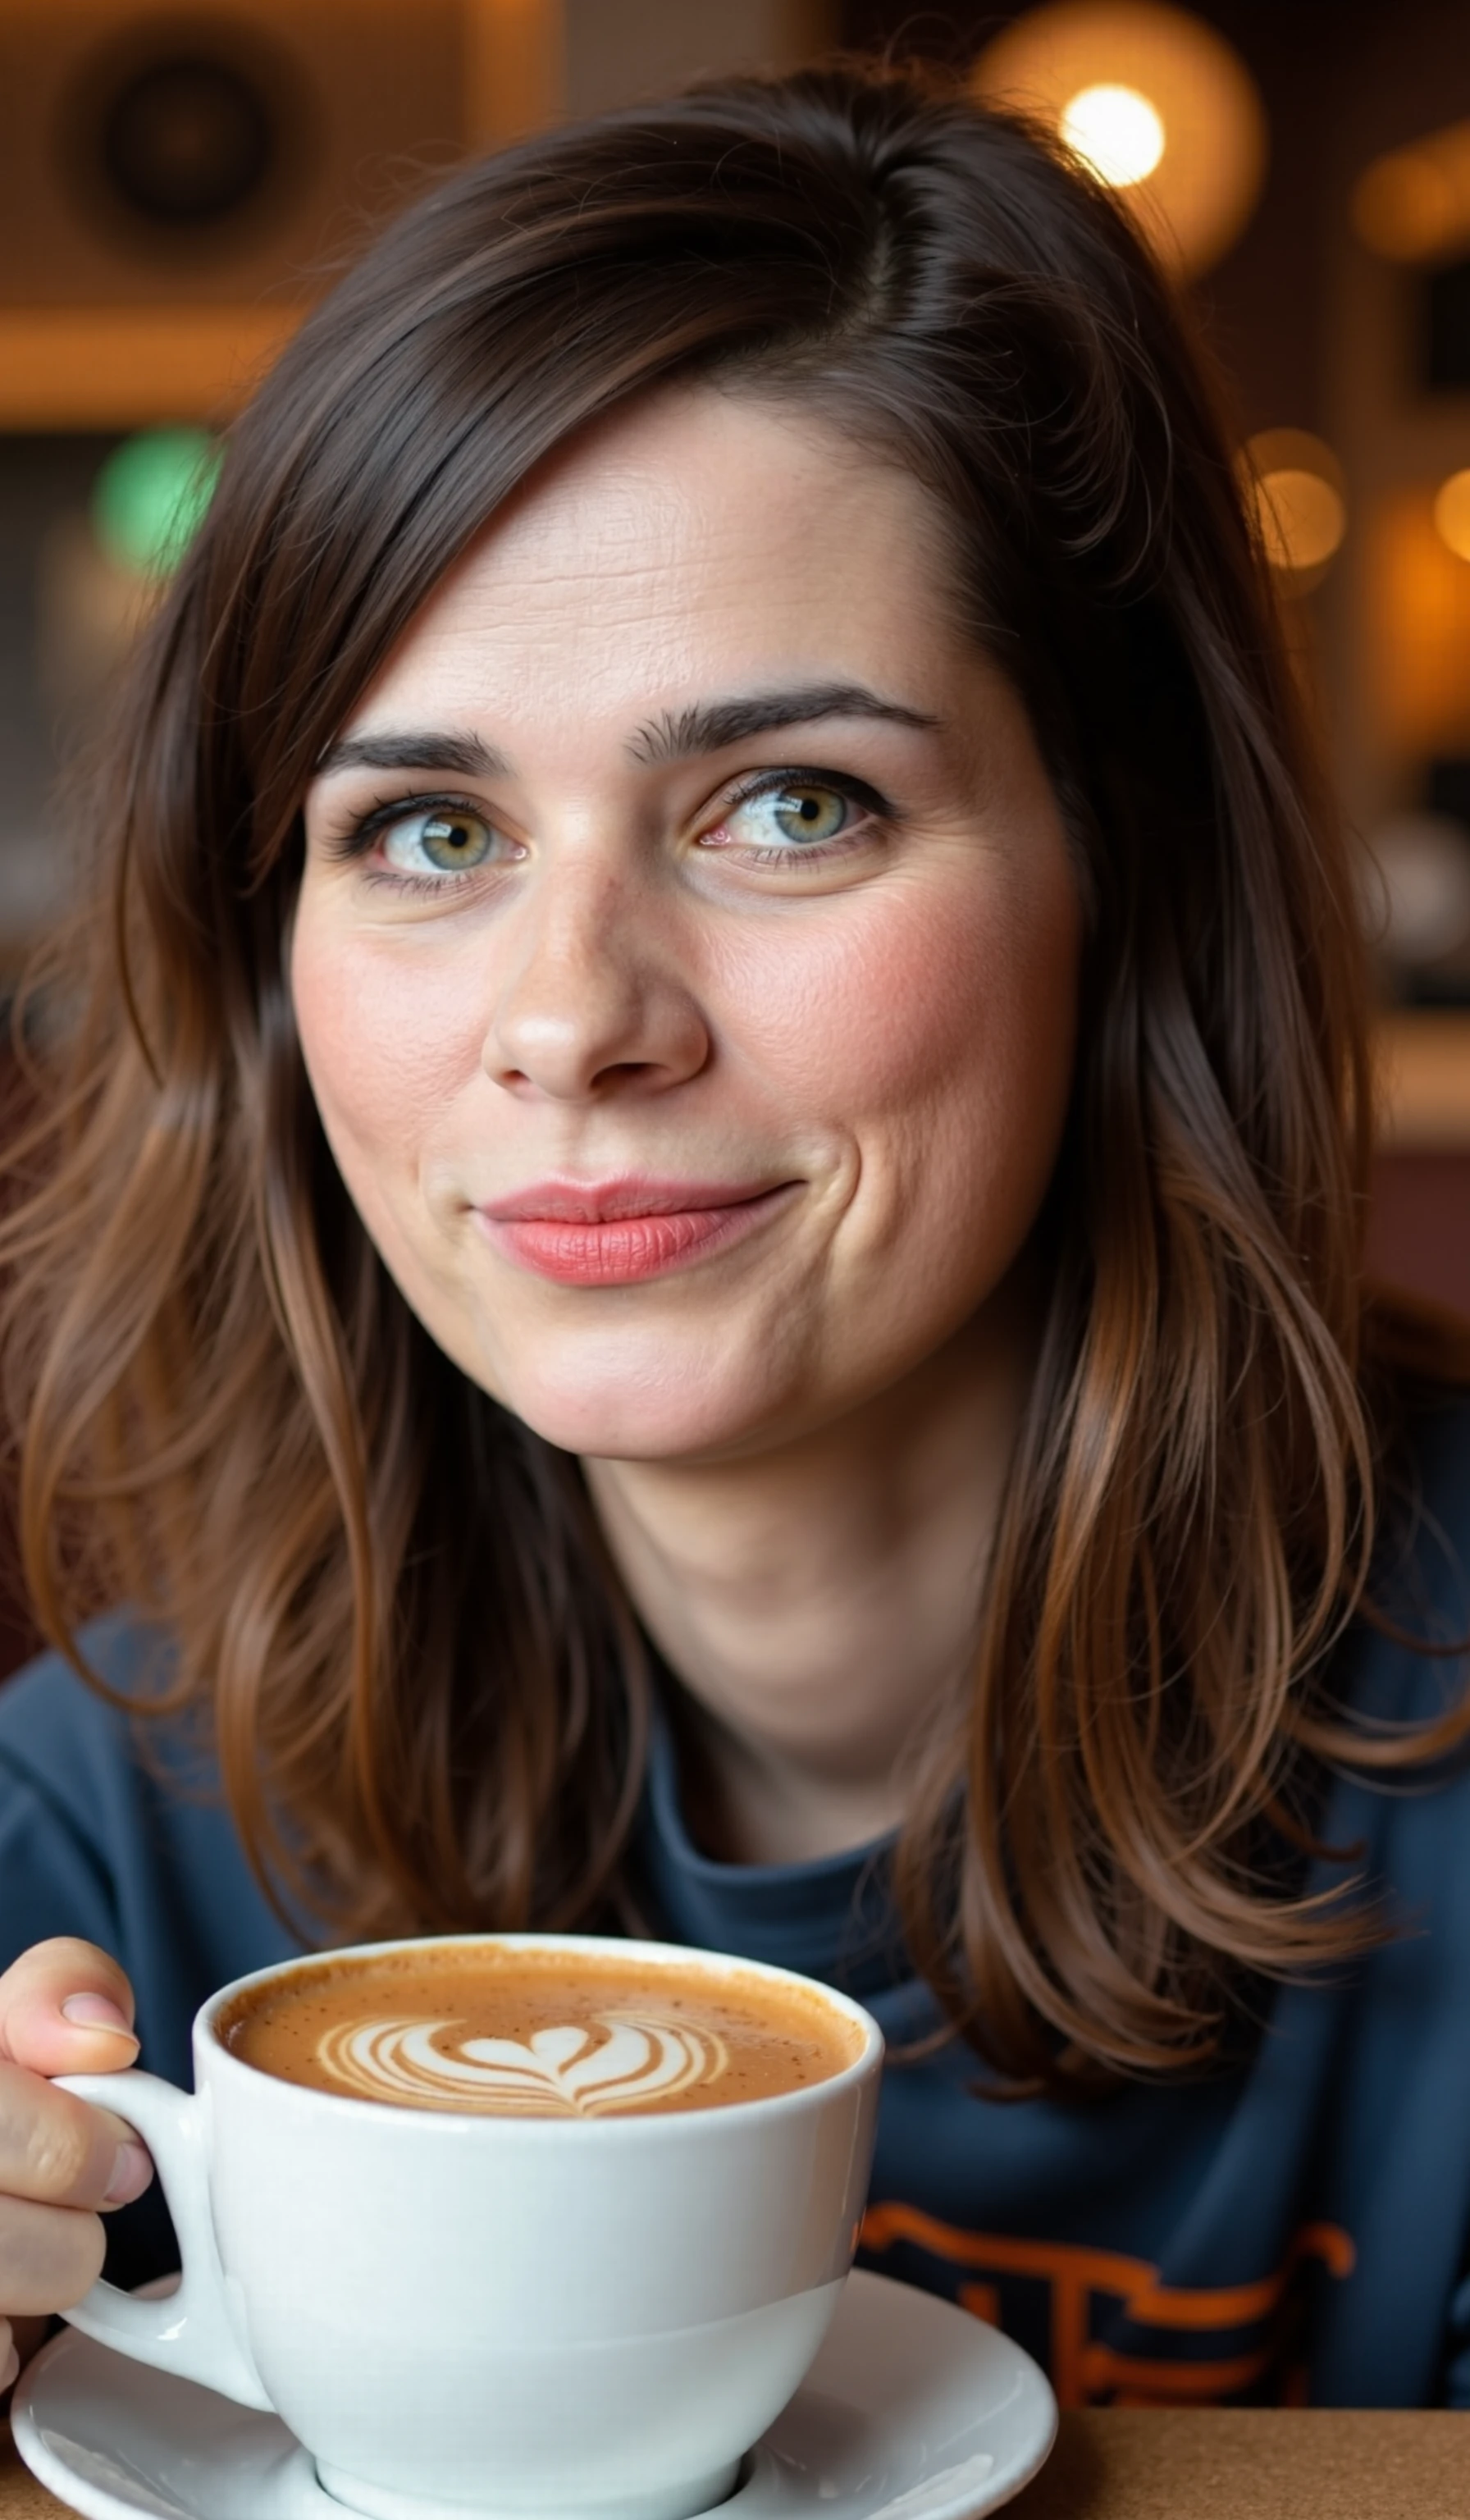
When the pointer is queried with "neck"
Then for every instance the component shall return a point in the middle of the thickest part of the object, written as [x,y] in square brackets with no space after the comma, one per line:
[819,1603]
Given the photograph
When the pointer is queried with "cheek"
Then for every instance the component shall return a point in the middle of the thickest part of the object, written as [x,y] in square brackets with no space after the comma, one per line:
[937,1025]
[388,1040]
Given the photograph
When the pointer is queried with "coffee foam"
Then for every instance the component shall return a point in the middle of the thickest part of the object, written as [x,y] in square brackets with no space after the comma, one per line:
[535,2032]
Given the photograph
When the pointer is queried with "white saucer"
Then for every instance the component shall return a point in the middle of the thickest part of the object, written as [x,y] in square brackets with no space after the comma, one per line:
[912,2411]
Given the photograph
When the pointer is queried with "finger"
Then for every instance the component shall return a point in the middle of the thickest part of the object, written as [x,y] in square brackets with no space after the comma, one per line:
[10,2357]
[60,2150]
[49,2256]
[66,2008]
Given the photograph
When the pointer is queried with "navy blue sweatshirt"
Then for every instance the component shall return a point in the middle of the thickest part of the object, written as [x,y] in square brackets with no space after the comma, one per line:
[1296,2226]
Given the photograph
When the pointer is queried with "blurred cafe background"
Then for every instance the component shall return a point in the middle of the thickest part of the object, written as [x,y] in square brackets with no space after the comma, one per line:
[178,176]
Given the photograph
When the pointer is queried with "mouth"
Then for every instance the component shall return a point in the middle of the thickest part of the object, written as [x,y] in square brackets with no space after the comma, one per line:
[619,1233]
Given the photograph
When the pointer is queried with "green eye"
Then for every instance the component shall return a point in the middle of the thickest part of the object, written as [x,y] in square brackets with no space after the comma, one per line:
[791,811]
[809,813]
[442,839]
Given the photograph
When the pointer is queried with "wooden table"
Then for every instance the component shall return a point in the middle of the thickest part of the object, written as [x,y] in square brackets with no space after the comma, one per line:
[1239,2464]
[1225,2466]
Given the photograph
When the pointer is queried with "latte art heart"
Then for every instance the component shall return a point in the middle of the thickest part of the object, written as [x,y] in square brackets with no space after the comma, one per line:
[595,2029]
[618,2060]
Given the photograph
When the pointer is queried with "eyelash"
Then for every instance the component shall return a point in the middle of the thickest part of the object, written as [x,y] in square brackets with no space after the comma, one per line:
[387,810]
[379,816]
[768,782]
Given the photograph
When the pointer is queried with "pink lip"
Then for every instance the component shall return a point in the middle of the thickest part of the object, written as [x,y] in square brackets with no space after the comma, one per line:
[615,1233]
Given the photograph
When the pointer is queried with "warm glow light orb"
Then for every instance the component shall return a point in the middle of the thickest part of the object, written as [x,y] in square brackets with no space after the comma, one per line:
[1116,130]
[1414,205]
[1452,514]
[1303,520]
[1296,489]
[1154,100]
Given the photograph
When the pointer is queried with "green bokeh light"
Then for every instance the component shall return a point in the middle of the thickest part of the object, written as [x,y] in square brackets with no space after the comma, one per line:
[150,498]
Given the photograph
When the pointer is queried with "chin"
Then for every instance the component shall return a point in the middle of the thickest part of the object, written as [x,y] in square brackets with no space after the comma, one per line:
[624,1419]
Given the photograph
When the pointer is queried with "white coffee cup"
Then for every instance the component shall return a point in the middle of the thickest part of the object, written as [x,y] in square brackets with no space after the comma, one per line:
[464,2314]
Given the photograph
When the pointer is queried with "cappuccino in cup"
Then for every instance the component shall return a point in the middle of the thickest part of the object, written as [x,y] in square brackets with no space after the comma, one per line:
[503,2226]
[533,2034]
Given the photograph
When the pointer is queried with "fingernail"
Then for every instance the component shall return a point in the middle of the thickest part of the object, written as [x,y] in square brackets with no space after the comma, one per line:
[131,2172]
[97,2012]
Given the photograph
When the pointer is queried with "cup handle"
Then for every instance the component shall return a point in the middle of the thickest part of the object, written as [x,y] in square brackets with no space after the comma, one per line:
[189,2333]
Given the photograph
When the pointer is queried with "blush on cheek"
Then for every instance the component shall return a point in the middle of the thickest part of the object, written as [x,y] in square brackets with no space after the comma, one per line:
[381,1079]
[938,1039]
[390,1039]
[947,995]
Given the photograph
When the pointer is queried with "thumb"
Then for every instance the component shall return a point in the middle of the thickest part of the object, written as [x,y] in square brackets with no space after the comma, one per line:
[66,2008]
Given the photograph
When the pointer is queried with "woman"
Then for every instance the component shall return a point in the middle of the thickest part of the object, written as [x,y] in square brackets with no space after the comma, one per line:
[694,1249]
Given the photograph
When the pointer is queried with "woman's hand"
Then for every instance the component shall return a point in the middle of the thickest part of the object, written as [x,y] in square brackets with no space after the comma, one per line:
[64,2009]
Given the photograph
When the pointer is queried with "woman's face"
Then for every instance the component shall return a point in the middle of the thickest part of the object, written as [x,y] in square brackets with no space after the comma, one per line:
[686,961]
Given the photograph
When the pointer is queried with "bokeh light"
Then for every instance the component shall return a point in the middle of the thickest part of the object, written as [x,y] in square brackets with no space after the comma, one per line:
[1415,627]
[1303,519]
[1116,130]
[1452,514]
[1296,488]
[1413,204]
[1152,97]
[151,497]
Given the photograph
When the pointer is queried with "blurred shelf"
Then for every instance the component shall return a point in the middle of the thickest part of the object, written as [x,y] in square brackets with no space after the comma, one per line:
[1423,1062]
[125,367]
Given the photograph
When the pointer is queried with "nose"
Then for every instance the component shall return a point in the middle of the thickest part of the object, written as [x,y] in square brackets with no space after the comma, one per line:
[590,999]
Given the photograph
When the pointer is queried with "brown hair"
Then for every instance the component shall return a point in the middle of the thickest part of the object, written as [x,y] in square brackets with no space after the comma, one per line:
[429,1694]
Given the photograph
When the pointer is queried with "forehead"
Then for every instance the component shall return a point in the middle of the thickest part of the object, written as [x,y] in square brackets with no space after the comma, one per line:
[699,534]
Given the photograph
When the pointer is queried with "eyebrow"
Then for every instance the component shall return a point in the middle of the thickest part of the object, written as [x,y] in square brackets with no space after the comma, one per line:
[414,748]
[705,726]
[708,726]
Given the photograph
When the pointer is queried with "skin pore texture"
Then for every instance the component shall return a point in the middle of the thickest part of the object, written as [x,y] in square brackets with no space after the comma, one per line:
[573,933]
